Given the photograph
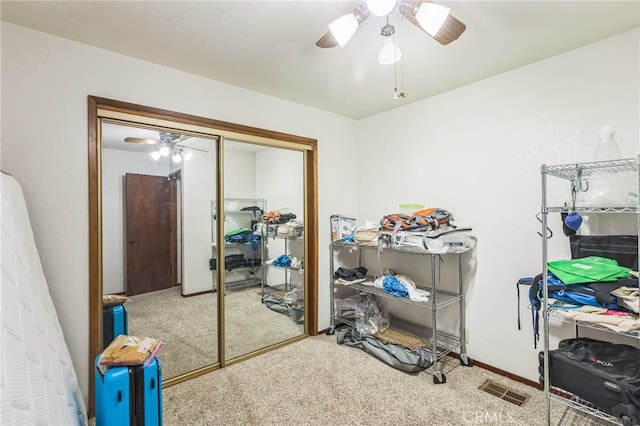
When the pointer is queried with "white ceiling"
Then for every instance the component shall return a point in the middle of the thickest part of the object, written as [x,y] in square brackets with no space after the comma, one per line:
[269,46]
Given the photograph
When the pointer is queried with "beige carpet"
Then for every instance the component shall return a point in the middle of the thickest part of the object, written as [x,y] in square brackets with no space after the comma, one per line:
[318,382]
[188,326]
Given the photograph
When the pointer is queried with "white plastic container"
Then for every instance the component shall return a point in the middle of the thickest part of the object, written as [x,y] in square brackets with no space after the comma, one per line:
[608,148]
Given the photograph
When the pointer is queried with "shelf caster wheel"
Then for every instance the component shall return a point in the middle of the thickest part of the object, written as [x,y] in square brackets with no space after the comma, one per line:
[466,361]
[439,379]
[331,331]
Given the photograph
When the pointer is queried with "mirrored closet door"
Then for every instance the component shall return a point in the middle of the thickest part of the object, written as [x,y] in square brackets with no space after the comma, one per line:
[157,189]
[206,228]
[264,246]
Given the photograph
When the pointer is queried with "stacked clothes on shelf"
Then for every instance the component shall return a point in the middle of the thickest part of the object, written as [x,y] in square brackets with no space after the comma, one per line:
[591,289]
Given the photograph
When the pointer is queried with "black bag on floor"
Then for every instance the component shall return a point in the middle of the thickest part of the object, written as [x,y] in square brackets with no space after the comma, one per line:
[603,373]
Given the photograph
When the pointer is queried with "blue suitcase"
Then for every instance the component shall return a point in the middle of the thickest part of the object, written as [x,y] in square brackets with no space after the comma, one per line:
[115,321]
[129,395]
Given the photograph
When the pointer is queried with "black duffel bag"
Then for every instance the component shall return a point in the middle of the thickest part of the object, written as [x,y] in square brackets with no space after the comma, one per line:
[621,248]
[602,373]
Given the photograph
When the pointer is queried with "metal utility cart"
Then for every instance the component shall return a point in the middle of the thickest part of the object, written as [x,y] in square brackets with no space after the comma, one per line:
[239,213]
[440,343]
[270,231]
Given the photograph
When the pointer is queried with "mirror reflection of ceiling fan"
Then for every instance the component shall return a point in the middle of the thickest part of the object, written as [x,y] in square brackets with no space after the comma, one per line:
[433,19]
[168,145]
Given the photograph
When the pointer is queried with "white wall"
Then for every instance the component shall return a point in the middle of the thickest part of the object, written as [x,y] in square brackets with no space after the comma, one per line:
[280,178]
[199,191]
[45,84]
[239,172]
[477,152]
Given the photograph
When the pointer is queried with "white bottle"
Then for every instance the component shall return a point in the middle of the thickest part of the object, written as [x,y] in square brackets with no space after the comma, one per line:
[608,148]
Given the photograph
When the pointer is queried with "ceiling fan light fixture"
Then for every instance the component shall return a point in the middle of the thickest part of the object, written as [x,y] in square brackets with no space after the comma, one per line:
[344,28]
[156,155]
[164,151]
[381,7]
[176,157]
[431,17]
[390,52]
[187,155]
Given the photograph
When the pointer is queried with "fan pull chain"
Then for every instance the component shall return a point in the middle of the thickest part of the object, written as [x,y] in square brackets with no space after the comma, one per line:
[401,93]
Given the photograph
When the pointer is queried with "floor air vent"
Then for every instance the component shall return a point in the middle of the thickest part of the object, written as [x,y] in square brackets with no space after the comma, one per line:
[503,392]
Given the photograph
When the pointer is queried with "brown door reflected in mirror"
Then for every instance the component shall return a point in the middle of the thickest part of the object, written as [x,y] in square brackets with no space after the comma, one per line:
[150,229]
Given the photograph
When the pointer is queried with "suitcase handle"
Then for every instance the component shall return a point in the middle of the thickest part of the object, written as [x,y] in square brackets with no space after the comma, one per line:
[153,383]
[119,397]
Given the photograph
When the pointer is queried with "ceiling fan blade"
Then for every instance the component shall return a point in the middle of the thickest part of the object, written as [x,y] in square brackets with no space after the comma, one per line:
[328,40]
[142,140]
[450,30]
[190,147]
[181,139]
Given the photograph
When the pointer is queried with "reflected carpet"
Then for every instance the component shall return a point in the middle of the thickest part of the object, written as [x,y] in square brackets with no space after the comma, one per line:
[188,326]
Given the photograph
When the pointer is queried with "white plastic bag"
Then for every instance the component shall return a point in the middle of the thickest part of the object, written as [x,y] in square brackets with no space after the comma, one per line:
[610,190]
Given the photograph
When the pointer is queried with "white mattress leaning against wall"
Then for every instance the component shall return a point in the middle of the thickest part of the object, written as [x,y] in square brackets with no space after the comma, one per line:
[38,384]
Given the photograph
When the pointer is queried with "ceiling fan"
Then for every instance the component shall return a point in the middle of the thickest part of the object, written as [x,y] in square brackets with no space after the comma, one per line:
[169,144]
[164,138]
[433,19]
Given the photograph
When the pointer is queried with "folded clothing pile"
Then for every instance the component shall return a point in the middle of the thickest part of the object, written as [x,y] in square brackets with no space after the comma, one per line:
[346,308]
[285,261]
[350,275]
[113,299]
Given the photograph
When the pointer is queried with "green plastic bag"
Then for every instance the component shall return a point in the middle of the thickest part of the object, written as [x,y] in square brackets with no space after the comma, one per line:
[587,269]
[238,231]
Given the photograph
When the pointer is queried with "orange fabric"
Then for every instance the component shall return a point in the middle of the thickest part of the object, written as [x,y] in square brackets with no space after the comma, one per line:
[424,212]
